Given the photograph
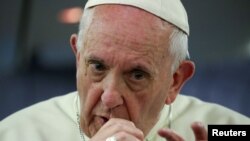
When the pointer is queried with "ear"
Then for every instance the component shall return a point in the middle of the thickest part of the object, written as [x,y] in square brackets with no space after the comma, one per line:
[73,44]
[181,75]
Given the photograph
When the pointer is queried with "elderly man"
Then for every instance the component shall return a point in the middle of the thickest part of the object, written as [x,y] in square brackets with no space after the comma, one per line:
[131,59]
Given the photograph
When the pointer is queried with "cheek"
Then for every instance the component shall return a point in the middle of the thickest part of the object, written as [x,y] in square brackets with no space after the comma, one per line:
[89,92]
[135,106]
[83,79]
[82,82]
[154,99]
[144,110]
[89,98]
[141,102]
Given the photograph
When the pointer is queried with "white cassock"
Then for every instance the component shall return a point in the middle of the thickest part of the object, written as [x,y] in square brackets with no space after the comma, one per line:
[56,119]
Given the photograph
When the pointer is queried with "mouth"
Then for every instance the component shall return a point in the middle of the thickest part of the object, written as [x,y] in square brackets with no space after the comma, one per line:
[105,119]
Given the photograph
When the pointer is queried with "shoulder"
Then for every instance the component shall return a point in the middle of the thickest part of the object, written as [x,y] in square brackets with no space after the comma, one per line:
[42,118]
[188,109]
[210,113]
[51,107]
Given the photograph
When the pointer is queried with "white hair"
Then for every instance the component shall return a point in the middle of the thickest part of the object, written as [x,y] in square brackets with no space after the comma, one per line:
[178,39]
[85,21]
[178,47]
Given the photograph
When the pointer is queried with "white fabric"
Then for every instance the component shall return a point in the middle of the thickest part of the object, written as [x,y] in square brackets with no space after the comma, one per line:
[111,139]
[56,119]
[170,10]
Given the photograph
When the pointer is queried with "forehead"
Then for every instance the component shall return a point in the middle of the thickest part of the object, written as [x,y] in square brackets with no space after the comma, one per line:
[129,20]
[125,13]
[127,27]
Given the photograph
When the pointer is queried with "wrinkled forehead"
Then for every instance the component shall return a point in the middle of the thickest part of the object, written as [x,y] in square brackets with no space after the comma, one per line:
[171,11]
[127,15]
[128,24]
[127,29]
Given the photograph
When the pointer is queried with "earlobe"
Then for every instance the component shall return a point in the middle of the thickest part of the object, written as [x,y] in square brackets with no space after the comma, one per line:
[180,77]
[73,43]
[169,100]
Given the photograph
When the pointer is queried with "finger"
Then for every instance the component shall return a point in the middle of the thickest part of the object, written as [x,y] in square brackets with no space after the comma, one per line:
[200,131]
[116,125]
[124,136]
[113,121]
[123,128]
[170,135]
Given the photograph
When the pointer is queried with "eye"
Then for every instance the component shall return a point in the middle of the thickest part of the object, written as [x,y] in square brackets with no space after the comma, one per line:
[97,66]
[138,79]
[138,75]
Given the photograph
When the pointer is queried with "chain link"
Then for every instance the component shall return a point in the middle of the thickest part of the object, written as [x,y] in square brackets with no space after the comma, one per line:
[79,127]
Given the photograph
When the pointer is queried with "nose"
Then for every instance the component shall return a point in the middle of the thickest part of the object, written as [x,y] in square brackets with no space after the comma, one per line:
[111,96]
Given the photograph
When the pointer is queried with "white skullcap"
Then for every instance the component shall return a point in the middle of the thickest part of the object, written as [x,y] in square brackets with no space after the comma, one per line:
[170,10]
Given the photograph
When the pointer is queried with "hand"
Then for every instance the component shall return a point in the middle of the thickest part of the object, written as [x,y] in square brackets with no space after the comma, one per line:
[122,130]
[199,130]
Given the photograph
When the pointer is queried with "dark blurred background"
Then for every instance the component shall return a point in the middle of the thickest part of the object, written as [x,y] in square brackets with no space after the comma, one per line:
[36,61]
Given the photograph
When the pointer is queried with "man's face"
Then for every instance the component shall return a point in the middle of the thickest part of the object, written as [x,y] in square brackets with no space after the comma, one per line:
[124,69]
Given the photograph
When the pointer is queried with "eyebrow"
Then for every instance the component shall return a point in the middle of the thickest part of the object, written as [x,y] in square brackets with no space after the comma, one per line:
[92,57]
[143,67]
[134,65]
[89,58]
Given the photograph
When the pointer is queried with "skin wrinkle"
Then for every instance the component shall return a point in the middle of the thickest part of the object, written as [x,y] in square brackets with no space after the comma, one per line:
[125,48]
[117,41]
[164,26]
[158,27]
[146,45]
[129,42]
